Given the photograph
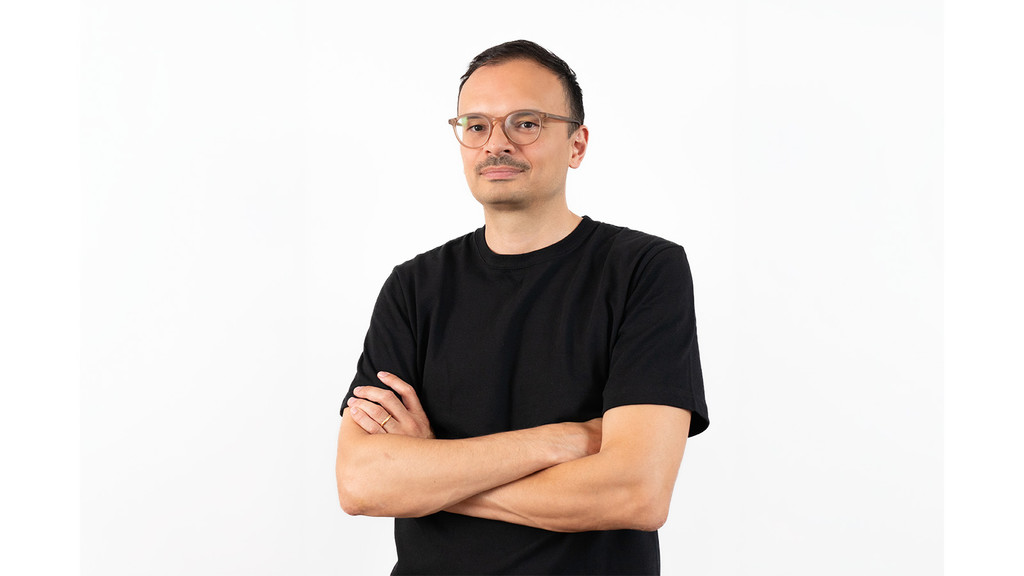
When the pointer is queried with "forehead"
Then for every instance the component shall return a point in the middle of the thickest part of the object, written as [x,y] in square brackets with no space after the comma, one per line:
[501,88]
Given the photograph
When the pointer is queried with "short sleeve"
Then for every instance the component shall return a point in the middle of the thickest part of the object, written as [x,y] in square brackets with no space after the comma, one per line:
[654,356]
[390,344]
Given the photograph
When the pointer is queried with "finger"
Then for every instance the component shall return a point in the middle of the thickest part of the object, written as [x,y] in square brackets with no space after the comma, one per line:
[385,398]
[407,392]
[368,410]
[363,421]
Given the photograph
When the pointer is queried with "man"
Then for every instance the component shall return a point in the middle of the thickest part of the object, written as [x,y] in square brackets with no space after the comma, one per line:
[525,392]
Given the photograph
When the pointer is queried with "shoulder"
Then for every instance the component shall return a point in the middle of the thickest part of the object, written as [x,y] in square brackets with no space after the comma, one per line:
[638,250]
[452,254]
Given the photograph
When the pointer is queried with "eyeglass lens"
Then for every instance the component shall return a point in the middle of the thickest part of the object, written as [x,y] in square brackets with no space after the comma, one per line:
[521,128]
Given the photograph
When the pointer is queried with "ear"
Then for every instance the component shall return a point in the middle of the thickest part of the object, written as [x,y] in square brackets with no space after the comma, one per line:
[579,146]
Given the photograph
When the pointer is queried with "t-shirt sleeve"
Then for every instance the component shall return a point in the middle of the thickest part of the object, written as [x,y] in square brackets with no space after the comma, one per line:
[390,344]
[654,356]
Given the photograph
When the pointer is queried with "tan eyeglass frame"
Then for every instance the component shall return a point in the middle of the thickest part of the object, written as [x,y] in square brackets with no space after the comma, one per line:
[544,116]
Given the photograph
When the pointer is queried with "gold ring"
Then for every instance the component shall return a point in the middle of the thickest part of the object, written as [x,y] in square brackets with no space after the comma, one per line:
[385,421]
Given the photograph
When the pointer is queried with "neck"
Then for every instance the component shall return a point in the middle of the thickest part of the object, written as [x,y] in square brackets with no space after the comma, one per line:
[519,232]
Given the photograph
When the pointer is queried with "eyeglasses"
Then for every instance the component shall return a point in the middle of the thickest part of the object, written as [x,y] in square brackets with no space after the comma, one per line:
[521,127]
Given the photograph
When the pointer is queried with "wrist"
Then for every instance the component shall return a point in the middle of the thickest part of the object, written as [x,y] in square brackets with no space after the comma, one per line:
[571,441]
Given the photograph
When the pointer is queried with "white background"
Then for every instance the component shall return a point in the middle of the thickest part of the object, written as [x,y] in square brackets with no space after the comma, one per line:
[251,171]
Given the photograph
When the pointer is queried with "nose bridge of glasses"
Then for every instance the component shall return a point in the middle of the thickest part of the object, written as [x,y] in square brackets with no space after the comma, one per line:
[502,129]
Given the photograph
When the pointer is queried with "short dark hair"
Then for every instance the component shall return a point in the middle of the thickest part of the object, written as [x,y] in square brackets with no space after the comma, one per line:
[526,50]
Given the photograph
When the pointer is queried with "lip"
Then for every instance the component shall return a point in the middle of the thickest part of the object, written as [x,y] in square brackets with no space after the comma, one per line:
[500,172]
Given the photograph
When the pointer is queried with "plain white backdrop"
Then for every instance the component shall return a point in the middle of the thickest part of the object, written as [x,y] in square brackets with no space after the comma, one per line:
[252,170]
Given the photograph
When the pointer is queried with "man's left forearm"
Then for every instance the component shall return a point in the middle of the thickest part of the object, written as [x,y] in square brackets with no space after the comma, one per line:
[577,496]
[627,485]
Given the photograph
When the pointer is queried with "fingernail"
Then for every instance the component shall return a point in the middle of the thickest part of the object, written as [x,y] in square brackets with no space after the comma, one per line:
[353,409]
[381,374]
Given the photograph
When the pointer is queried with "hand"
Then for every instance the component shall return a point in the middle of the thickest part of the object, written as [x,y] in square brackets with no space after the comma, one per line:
[379,411]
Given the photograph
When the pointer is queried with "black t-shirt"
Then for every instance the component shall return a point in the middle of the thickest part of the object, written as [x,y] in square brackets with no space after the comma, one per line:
[492,343]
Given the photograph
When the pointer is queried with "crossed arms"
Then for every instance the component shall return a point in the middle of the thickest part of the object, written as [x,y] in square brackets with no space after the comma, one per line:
[614,472]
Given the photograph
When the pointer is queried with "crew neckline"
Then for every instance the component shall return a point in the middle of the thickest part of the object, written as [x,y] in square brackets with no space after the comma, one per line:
[512,261]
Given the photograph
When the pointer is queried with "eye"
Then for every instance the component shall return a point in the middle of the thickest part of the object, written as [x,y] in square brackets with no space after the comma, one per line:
[474,124]
[525,122]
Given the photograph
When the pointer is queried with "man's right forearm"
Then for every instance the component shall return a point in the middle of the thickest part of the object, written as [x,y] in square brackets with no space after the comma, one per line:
[403,476]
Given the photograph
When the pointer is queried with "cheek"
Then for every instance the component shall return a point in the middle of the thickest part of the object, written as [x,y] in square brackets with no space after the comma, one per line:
[468,161]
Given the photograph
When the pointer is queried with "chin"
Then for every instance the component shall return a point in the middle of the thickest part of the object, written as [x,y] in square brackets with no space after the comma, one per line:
[496,196]
[503,204]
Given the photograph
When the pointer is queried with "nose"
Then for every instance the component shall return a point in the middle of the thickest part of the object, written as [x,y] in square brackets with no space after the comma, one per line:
[498,142]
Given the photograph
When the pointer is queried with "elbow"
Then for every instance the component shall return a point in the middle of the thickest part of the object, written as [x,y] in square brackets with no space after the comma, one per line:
[350,494]
[650,508]
[350,504]
[360,495]
[651,519]
[355,494]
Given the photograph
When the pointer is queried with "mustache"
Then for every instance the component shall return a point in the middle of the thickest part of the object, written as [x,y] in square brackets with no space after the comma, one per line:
[502,161]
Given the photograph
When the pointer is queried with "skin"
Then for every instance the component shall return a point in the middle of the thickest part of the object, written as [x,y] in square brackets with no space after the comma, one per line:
[425,475]
[610,473]
[527,210]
